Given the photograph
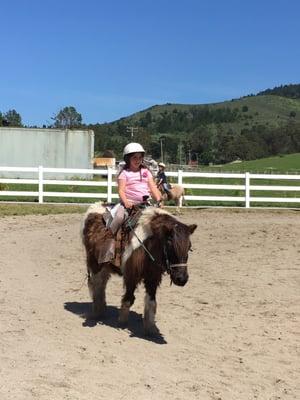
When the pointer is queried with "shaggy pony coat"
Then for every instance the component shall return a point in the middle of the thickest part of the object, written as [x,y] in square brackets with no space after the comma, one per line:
[165,238]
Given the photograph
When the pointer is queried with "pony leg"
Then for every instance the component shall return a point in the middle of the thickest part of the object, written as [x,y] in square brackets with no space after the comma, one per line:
[177,203]
[127,301]
[150,310]
[97,285]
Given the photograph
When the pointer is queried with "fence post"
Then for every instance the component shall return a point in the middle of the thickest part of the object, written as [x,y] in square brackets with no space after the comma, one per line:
[247,190]
[109,184]
[41,184]
[180,183]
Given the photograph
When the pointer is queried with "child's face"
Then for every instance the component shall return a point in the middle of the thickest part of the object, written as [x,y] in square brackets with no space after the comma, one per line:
[136,160]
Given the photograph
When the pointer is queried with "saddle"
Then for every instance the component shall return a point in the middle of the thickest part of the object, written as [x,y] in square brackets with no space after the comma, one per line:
[163,191]
[120,227]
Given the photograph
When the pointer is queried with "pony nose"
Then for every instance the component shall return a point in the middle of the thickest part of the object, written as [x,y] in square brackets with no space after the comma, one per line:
[181,279]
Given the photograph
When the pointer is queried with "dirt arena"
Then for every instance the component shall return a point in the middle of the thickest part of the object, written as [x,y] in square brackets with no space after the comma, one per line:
[232,333]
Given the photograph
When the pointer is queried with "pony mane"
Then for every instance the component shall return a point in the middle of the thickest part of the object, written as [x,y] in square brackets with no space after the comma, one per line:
[142,231]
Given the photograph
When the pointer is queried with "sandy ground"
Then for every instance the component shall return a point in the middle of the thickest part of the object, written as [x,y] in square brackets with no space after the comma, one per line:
[233,332]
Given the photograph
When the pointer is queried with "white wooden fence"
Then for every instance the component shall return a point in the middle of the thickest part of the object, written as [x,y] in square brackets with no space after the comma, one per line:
[290,192]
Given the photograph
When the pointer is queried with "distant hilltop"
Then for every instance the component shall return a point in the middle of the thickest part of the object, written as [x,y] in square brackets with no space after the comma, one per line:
[247,128]
[291,91]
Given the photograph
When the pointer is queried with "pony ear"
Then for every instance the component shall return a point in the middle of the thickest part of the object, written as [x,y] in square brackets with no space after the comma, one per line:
[192,228]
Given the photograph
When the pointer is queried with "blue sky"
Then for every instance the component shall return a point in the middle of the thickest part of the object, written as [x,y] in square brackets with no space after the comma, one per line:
[112,58]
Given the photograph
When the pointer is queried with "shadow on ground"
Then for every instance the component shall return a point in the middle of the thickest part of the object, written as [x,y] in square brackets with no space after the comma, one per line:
[110,318]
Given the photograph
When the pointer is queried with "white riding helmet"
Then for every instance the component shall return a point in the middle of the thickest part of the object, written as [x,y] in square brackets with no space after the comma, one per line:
[161,164]
[133,148]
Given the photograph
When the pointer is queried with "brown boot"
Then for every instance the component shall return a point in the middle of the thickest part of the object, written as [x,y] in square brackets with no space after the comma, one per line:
[107,252]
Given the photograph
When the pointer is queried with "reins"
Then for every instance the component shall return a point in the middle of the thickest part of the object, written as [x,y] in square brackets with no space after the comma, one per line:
[86,278]
[131,223]
[141,243]
[169,266]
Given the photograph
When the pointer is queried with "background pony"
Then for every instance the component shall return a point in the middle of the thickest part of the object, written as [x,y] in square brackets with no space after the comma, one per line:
[175,194]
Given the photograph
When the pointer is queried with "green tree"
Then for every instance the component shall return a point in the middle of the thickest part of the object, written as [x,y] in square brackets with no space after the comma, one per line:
[154,150]
[146,120]
[291,91]
[13,118]
[66,118]
[293,130]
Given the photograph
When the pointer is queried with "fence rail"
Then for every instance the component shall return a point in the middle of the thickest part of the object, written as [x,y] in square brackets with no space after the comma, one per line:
[246,183]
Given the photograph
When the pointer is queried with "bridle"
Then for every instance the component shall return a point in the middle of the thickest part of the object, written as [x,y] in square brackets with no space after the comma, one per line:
[170,266]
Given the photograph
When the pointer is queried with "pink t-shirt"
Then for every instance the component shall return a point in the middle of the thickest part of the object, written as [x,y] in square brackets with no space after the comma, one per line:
[136,184]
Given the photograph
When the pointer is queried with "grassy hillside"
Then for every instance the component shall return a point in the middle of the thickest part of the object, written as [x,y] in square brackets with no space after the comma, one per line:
[289,163]
[248,128]
[262,110]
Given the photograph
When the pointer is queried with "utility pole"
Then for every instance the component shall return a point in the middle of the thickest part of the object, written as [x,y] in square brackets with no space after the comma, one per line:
[180,153]
[161,149]
[189,162]
[132,130]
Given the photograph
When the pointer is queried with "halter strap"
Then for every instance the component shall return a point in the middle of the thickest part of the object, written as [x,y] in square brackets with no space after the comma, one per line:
[168,265]
[178,265]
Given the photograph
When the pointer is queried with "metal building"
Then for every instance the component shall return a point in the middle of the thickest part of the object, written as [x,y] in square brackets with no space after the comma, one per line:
[53,148]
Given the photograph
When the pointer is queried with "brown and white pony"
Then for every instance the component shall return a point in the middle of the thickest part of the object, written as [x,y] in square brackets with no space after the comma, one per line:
[159,243]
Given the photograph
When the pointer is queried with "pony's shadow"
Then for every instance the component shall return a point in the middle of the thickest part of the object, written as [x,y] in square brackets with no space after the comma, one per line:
[110,318]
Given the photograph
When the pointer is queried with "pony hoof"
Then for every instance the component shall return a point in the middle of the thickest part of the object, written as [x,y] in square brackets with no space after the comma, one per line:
[151,330]
[122,324]
[124,314]
[123,320]
[92,316]
[97,311]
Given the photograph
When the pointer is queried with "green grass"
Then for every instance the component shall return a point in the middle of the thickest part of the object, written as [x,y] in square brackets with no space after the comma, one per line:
[39,209]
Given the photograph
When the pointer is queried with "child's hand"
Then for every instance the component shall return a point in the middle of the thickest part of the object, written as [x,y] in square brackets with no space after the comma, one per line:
[128,204]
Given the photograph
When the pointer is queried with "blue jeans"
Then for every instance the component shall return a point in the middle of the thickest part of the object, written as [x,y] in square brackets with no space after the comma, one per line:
[166,187]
